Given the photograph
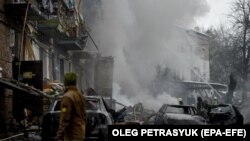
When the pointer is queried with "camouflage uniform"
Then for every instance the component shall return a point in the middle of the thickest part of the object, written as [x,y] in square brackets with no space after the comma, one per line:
[73,116]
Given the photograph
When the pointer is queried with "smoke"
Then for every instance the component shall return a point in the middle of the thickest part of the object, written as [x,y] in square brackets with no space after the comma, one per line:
[150,101]
[121,97]
[142,34]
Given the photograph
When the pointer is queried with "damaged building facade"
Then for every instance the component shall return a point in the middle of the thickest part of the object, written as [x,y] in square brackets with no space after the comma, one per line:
[51,37]
[191,79]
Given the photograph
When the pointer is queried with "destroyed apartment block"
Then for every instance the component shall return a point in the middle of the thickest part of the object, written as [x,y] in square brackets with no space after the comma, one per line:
[39,44]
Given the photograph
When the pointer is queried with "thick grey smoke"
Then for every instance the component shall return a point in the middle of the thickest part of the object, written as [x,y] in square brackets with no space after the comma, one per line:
[142,34]
[150,102]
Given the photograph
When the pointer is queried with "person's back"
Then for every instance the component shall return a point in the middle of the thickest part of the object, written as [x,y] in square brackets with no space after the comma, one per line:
[75,129]
[73,112]
[199,104]
[201,107]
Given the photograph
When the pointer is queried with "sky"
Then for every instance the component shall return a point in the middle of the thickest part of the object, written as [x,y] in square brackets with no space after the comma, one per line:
[219,9]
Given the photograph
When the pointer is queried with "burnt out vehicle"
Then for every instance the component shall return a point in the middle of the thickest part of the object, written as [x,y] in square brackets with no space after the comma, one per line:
[98,119]
[225,114]
[176,115]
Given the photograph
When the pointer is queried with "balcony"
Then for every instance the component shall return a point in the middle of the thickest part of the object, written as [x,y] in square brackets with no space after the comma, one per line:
[66,6]
[51,28]
[17,9]
[73,43]
[59,20]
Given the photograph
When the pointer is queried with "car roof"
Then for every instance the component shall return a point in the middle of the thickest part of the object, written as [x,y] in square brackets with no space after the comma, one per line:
[88,97]
[221,105]
[173,105]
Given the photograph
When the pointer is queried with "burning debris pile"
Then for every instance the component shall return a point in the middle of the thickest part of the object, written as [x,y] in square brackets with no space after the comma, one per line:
[137,113]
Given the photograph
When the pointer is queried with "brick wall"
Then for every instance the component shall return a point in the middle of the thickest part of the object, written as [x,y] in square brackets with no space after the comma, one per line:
[5,51]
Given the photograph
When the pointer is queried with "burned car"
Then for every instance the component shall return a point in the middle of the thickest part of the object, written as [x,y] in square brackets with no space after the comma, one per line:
[176,115]
[98,119]
[225,114]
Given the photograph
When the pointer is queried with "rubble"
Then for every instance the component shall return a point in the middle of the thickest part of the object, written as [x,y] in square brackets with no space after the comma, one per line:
[137,113]
[53,88]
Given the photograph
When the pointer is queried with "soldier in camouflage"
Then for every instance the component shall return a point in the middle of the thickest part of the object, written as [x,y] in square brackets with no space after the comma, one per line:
[73,112]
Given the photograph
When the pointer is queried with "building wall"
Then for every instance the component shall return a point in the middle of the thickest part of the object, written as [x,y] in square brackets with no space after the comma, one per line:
[104,76]
[203,52]
[199,46]
[83,63]
[5,53]
[42,52]
[192,59]
[6,65]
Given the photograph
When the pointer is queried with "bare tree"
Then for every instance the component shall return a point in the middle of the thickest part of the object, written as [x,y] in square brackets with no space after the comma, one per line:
[221,54]
[241,26]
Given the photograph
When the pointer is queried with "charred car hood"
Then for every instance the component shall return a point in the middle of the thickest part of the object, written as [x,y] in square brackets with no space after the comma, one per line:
[183,119]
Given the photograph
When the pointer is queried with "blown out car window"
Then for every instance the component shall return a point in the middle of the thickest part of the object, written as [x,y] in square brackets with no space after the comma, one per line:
[175,110]
[92,104]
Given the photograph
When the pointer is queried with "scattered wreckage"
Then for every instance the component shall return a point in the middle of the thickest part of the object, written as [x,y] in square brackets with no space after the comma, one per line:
[132,115]
[221,114]
[100,115]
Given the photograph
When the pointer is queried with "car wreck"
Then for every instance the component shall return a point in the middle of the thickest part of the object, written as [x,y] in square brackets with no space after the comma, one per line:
[176,115]
[225,114]
[98,119]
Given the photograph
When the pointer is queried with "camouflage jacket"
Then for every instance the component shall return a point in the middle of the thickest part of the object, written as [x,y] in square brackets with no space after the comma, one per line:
[73,116]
